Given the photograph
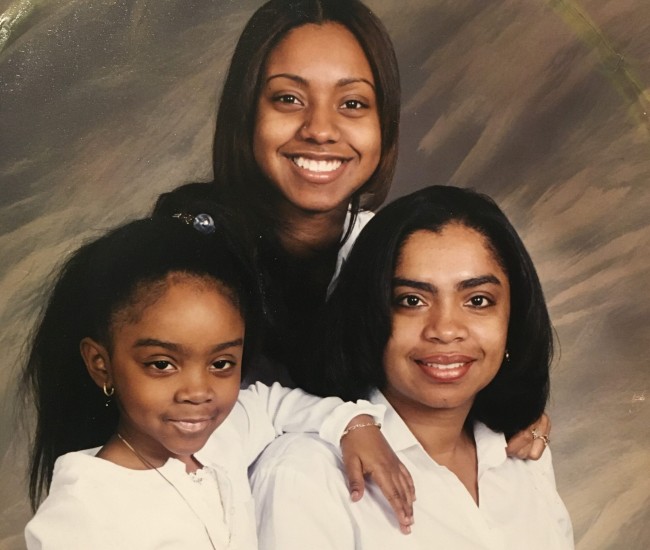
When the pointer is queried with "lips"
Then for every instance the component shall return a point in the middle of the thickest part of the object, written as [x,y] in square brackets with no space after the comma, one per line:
[445,368]
[318,170]
[191,425]
[317,165]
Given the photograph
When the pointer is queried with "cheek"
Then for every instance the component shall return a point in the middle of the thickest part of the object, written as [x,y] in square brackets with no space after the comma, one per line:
[397,347]
[492,337]
[368,138]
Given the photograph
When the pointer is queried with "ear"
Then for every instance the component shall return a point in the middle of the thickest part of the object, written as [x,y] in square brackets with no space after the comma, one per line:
[97,362]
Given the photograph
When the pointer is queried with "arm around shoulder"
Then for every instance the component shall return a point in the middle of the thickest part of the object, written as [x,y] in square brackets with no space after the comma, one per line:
[265,412]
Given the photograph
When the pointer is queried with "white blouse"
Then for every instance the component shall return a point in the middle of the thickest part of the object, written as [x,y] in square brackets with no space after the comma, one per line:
[303,502]
[94,503]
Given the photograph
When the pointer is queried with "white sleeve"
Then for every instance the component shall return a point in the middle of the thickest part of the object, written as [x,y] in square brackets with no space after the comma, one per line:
[301,502]
[264,412]
[67,522]
[545,481]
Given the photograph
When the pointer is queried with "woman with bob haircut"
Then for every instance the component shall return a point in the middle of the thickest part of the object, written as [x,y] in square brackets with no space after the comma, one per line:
[305,150]
[439,315]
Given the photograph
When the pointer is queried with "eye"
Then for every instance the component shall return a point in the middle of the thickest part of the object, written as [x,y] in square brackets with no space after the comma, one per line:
[287,99]
[410,301]
[223,365]
[161,365]
[480,302]
[354,104]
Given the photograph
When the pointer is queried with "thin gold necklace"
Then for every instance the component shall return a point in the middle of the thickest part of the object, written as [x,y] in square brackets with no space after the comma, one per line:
[152,467]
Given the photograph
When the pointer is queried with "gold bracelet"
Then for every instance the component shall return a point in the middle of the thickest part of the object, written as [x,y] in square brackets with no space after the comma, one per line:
[357,426]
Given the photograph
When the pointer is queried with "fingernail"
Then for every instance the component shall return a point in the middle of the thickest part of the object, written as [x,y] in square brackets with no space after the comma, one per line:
[355,496]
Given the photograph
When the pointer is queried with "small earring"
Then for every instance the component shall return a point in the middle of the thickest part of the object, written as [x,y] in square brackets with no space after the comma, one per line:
[507,358]
[108,393]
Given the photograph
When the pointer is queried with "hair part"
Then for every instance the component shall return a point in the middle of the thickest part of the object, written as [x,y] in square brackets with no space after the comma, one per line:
[352,335]
[111,280]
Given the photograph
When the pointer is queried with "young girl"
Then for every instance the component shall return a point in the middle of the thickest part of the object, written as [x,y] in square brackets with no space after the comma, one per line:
[440,316]
[161,316]
[305,149]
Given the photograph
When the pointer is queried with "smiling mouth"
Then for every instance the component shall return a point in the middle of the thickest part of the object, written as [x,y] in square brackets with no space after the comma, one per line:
[320,166]
[191,426]
[445,372]
[441,366]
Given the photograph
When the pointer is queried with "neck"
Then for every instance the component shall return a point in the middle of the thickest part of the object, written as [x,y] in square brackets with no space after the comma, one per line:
[131,453]
[442,434]
[304,234]
[440,431]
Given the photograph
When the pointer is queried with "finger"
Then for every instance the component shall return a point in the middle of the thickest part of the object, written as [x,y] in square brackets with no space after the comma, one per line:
[536,449]
[519,444]
[544,425]
[356,482]
[405,492]
[409,482]
[396,497]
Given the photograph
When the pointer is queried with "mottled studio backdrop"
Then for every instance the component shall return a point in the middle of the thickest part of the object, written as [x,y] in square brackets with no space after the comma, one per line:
[541,103]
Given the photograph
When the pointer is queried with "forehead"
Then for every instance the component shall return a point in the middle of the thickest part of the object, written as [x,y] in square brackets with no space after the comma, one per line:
[456,252]
[310,49]
[172,291]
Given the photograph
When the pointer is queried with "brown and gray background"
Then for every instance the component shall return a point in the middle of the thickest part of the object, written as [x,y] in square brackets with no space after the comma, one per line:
[541,103]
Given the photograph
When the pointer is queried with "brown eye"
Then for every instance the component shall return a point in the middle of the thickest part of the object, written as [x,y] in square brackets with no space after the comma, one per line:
[287,99]
[354,104]
[480,302]
[161,365]
[410,300]
[223,365]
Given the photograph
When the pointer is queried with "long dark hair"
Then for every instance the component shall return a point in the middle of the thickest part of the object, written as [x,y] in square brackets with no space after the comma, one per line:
[96,282]
[349,345]
[235,170]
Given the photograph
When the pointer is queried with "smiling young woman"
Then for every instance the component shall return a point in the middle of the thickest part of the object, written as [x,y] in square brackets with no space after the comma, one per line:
[305,148]
[317,132]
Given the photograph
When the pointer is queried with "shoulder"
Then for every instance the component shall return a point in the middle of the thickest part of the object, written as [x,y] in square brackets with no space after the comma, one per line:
[74,504]
[298,455]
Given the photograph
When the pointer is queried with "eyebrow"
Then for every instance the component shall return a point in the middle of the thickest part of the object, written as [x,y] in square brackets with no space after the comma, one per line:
[304,82]
[478,281]
[154,342]
[462,285]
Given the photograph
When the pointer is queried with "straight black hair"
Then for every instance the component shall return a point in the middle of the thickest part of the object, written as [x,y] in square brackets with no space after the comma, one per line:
[100,279]
[347,350]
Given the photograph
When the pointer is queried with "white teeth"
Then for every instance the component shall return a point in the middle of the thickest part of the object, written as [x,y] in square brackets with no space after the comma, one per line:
[317,165]
[444,367]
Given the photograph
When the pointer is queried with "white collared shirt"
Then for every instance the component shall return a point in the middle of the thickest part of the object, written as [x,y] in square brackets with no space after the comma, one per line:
[96,504]
[302,500]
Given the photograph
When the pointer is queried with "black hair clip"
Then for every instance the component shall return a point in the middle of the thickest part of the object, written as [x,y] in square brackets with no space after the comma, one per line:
[203,223]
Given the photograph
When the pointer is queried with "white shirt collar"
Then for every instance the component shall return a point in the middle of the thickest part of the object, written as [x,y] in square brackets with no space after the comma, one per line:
[490,445]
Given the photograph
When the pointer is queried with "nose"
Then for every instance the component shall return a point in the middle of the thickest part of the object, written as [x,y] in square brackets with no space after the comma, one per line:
[445,324]
[320,125]
[195,387]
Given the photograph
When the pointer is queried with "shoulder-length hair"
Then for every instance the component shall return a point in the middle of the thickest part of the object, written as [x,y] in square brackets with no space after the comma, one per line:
[98,281]
[235,169]
[357,323]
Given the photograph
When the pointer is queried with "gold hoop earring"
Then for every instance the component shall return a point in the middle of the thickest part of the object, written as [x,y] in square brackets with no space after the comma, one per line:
[108,393]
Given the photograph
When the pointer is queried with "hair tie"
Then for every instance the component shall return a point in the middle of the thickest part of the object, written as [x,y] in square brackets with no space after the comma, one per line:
[203,222]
